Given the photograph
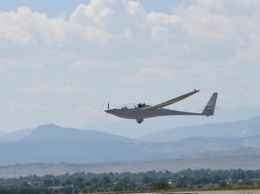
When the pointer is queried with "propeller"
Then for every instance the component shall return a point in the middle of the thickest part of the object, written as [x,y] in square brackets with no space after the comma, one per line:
[108,107]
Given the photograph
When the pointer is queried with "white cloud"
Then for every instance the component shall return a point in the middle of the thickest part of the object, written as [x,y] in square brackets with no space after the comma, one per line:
[110,20]
[17,106]
[6,63]
[30,28]
[160,33]
[128,34]
[46,88]
[88,33]
[13,64]
[135,8]
[90,111]
[198,21]
[111,44]
[163,19]
[93,14]
[93,64]
[105,13]
[116,17]
[27,27]
[150,74]
[219,20]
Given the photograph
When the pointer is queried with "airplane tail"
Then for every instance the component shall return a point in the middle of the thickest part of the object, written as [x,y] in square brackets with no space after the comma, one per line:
[211,106]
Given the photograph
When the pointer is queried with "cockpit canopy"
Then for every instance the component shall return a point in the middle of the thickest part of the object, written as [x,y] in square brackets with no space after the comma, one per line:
[131,106]
[140,105]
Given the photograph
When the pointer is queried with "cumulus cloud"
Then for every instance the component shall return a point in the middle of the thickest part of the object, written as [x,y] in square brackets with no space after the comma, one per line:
[227,22]
[199,25]
[110,12]
[27,27]
[163,19]
[206,43]
[96,13]
[32,28]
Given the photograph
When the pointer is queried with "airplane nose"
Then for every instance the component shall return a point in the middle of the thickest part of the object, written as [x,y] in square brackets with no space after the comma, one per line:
[110,111]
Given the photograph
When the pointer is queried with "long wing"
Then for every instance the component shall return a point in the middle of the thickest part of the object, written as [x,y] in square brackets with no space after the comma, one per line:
[169,102]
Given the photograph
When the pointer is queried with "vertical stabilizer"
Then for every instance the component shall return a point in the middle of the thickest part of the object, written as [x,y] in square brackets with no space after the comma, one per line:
[210,107]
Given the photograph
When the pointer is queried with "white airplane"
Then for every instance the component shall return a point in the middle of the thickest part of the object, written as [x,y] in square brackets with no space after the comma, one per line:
[141,111]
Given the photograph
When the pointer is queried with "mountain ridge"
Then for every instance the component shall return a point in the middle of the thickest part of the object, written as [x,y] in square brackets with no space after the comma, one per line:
[53,131]
[52,143]
[129,128]
[243,128]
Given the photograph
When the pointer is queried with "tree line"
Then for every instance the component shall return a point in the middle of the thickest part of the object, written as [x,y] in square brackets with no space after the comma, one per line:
[82,182]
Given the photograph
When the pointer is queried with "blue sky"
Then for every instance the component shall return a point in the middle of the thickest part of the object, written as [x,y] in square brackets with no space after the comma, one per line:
[60,60]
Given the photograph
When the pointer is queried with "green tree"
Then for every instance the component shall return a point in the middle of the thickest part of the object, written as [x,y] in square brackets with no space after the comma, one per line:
[223,184]
[48,183]
[163,184]
[146,180]
[68,190]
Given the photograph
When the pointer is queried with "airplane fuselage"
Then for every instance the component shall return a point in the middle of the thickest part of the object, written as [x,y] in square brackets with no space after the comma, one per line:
[140,113]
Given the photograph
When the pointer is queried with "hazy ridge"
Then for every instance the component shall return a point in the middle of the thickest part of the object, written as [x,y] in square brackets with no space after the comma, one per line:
[54,144]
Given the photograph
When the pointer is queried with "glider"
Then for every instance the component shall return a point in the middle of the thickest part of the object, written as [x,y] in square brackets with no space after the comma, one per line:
[141,111]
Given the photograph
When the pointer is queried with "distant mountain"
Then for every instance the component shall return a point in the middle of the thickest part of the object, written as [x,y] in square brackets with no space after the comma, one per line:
[54,144]
[129,128]
[15,136]
[52,131]
[55,132]
[244,128]
[3,132]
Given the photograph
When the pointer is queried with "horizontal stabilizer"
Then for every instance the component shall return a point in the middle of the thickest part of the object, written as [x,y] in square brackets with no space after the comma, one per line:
[211,106]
